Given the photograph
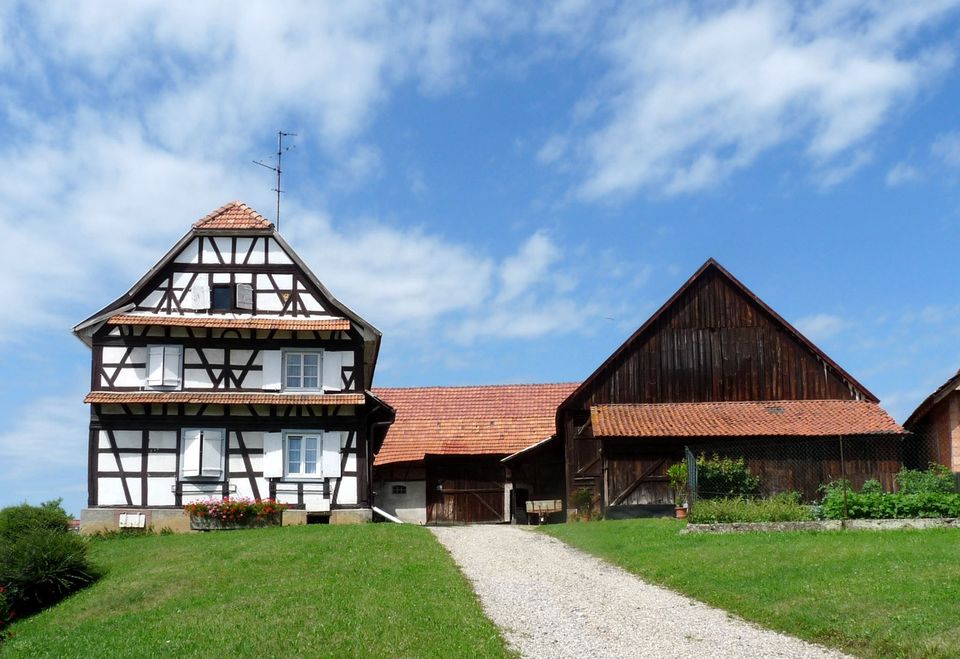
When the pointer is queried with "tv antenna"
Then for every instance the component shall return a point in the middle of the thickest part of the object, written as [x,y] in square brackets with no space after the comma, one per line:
[280,152]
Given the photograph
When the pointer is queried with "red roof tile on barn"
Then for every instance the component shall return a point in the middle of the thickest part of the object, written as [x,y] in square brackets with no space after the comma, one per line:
[780,418]
[483,420]
[217,398]
[235,215]
[259,322]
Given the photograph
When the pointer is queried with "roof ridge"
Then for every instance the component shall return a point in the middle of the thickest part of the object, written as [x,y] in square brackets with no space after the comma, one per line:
[250,219]
[743,402]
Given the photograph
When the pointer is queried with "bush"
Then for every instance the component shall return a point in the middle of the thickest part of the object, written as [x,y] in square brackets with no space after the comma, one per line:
[725,478]
[936,479]
[582,500]
[6,613]
[16,521]
[922,494]
[783,507]
[42,567]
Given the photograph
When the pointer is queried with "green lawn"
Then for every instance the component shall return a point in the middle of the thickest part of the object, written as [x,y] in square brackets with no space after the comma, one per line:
[874,594]
[371,590]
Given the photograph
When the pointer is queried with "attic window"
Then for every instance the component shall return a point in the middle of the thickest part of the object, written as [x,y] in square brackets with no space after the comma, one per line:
[222,297]
[775,409]
[398,489]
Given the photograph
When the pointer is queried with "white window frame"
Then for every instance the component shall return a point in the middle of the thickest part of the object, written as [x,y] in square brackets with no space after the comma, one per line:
[223,456]
[299,475]
[165,347]
[283,370]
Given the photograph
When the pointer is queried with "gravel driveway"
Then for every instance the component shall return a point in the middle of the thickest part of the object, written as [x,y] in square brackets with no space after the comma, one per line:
[551,600]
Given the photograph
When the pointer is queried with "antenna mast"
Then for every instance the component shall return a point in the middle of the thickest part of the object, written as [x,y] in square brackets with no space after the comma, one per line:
[277,169]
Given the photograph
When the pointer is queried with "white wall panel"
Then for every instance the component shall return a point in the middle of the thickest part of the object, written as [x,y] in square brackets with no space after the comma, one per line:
[133,486]
[128,438]
[243,246]
[269,302]
[256,257]
[113,354]
[163,439]
[224,244]
[351,464]
[152,300]
[348,490]
[243,277]
[189,253]
[240,357]
[311,303]
[236,463]
[181,279]
[129,377]
[221,277]
[131,461]
[277,255]
[162,462]
[110,492]
[209,256]
[160,492]
[106,462]
[315,503]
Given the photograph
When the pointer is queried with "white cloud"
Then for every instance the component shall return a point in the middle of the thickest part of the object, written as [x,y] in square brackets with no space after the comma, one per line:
[821,326]
[695,94]
[946,148]
[901,174]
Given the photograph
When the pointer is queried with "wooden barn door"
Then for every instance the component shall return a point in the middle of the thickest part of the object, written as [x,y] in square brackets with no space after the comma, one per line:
[464,490]
[638,475]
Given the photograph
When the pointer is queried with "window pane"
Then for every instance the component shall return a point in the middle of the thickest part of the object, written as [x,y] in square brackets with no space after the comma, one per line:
[293,454]
[310,382]
[223,297]
[310,455]
[311,359]
[293,370]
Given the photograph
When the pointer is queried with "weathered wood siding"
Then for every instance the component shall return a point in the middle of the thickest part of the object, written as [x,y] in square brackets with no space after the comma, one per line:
[465,490]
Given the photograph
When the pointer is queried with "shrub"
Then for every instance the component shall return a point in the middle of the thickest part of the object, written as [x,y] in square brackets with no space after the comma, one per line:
[42,567]
[936,478]
[783,507]
[582,500]
[725,478]
[6,613]
[922,494]
[16,521]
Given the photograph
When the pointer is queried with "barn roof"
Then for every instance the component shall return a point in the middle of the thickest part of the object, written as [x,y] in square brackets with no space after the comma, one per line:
[248,322]
[780,418]
[219,398]
[930,401]
[234,216]
[711,265]
[480,420]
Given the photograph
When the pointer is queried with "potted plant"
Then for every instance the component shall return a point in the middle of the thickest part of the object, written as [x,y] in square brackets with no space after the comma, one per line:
[678,481]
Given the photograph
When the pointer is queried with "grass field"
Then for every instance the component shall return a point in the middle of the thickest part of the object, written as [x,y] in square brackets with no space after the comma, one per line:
[372,590]
[874,594]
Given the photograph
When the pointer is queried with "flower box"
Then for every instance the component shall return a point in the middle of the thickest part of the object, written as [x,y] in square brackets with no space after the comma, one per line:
[227,513]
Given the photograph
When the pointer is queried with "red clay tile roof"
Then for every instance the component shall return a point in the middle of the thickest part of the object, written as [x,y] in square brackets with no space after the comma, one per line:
[220,398]
[235,215]
[793,418]
[490,420]
[260,322]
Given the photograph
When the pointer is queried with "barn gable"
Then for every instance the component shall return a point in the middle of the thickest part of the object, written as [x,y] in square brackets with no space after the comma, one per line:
[715,340]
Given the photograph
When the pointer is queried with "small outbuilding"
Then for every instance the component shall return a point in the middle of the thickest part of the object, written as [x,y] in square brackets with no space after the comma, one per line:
[935,426]
[441,460]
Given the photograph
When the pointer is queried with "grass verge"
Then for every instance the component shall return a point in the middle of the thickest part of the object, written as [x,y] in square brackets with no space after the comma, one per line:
[371,590]
[874,594]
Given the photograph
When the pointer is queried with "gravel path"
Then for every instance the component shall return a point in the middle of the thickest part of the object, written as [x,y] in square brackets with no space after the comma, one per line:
[551,600]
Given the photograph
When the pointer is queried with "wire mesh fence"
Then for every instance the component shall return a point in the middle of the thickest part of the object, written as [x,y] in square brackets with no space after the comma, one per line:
[805,465]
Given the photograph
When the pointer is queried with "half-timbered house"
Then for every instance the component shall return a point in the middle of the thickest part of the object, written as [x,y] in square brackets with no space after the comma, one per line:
[715,366]
[228,369]
[441,461]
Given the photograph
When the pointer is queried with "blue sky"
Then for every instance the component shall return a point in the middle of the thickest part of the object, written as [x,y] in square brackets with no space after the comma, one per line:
[506,190]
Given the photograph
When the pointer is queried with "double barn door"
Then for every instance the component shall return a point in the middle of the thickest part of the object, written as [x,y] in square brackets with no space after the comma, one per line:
[468,490]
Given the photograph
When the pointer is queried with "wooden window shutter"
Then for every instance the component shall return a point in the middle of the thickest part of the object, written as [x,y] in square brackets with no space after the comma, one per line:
[190,458]
[171,365]
[244,296]
[212,454]
[331,454]
[272,369]
[273,455]
[200,296]
[155,366]
[332,363]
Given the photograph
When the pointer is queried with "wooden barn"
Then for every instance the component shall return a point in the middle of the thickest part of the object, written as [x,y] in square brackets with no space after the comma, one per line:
[228,369]
[441,461]
[935,425]
[713,366]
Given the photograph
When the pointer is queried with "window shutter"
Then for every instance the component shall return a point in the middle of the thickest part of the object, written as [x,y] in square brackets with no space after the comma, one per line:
[331,454]
[212,466]
[332,380]
[244,296]
[190,457]
[273,455]
[272,369]
[155,366]
[171,365]
[201,296]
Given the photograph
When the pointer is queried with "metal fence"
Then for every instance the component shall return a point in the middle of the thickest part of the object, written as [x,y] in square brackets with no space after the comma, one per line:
[800,464]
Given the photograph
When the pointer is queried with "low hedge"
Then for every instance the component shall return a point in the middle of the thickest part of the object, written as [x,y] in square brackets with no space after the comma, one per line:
[929,493]
[783,507]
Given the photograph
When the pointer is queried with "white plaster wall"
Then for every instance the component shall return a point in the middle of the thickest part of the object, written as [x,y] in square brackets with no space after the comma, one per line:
[160,491]
[410,507]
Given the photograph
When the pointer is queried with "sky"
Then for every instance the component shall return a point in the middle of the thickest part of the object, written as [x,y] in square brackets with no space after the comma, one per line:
[506,190]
